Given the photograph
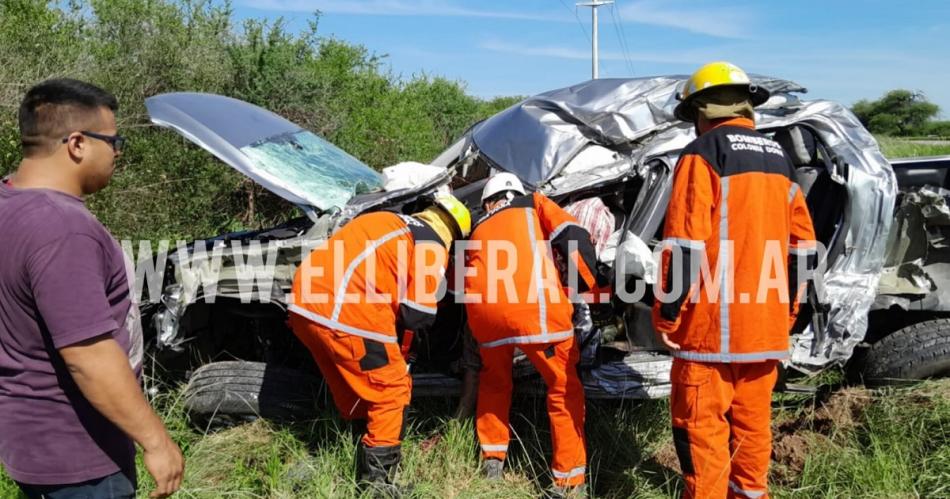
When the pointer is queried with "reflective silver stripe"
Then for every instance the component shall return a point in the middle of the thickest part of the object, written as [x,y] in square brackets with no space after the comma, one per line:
[752,494]
[536,262]
[524,340]
[341,291]
[570,474]
[723,281]
[495,448]
[557,230]
[343,328]
[791,191]
[685,243]
[731,357]
[419,307]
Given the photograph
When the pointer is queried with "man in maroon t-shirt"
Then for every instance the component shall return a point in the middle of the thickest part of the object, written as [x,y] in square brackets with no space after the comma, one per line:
[70,400]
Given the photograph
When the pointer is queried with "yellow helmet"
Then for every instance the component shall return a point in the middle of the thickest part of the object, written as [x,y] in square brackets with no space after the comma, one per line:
[715,74]
[458,211]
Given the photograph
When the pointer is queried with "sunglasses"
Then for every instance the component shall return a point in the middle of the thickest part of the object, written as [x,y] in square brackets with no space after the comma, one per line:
[116,141]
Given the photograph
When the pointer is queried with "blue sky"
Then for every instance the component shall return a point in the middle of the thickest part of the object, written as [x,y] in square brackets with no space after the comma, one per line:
[839,50]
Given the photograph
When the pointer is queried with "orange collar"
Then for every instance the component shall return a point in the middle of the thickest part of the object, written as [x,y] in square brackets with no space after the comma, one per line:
[739,122]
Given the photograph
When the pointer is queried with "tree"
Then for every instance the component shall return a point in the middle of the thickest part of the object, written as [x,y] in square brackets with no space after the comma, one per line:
[166,188]
[898,112]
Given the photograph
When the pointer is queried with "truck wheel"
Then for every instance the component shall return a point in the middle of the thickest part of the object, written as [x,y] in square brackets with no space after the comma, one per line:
[916,352]
[228,393]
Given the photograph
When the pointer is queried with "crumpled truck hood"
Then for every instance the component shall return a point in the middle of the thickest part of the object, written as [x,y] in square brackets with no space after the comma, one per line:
[282,157]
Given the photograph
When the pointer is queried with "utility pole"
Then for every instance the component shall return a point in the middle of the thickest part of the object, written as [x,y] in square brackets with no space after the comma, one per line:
[593,4]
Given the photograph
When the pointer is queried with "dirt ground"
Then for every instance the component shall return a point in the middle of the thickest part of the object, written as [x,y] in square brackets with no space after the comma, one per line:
[796,435]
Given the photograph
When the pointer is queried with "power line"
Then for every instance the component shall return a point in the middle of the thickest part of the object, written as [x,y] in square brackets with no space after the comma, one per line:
[626,44]
[578,17]
[621,38]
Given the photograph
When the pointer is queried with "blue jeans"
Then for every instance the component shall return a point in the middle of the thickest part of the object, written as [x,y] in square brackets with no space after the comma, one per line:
[114,486]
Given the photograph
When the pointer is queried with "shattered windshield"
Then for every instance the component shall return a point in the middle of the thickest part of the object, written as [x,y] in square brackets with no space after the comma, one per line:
[308,163]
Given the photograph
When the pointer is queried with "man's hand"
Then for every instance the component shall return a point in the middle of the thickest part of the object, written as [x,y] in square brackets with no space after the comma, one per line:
[665,338]
[100,368]
[166,465]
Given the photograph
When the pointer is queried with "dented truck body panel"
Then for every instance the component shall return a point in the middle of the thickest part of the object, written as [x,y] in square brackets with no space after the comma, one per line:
[916,274]
[543,138]
[603,135]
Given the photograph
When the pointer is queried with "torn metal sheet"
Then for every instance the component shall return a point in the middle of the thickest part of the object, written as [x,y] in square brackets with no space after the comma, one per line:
[851,280]
[906,279]
[932,202]
[574,181]
[916,275]
[538,137]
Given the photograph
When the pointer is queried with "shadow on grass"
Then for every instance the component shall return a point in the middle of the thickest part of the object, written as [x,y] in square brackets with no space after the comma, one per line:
[622,440]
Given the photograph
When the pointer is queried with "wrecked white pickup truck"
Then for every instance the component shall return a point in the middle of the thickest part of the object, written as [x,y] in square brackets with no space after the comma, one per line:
[613,142]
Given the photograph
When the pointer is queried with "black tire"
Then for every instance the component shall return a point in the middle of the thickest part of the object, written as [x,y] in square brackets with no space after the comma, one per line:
[233,392]
[916,352]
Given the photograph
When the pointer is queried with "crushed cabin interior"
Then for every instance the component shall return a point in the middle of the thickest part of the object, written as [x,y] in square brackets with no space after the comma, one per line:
[230,330]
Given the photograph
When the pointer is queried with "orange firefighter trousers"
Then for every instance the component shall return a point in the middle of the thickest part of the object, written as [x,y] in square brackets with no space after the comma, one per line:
[721,426]
[379,395]
[565,403]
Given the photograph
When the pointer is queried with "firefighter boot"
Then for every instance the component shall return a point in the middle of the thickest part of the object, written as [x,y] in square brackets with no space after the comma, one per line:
[493,469]
[567,491]
[376,470]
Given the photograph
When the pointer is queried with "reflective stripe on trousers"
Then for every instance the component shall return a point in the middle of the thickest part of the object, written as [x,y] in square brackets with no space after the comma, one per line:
[339,326]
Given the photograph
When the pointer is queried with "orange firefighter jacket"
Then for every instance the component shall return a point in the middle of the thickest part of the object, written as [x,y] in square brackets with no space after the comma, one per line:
[376,277]
[735,205]
[514,293]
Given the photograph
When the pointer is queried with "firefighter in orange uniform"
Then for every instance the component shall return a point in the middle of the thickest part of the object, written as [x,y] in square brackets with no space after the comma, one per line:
[533,313]
[735,204]
[353,297]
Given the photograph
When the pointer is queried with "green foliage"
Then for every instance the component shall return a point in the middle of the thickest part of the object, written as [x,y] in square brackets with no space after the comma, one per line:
[936,129]
[38,40]
[445,103]
[899,448]
[904,148]
[168,189]
[899,112]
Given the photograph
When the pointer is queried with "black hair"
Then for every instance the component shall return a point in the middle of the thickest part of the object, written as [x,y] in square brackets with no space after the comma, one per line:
[498,196]
[55,108]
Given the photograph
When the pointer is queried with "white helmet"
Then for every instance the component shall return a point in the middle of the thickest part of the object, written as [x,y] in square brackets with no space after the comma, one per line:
[501,182]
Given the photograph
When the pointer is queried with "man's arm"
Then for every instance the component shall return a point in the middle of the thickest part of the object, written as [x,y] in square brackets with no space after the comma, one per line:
[688,225]
[101,370]
[68,282]
[572,241]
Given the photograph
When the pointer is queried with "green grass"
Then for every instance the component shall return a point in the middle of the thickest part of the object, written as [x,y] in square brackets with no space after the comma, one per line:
[7,487]
[893,147]
[857,443]
[900,448]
